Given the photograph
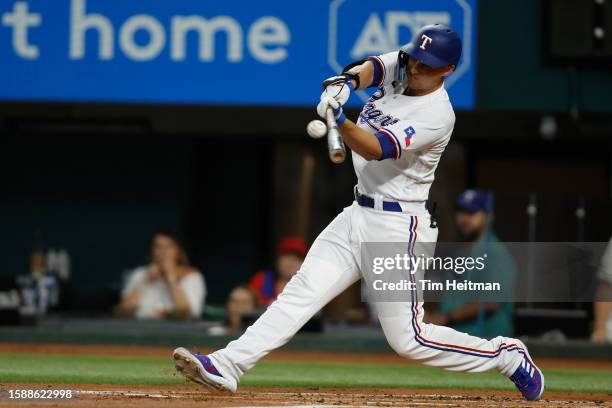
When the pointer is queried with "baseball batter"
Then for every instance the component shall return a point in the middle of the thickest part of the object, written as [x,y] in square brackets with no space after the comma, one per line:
[396,144]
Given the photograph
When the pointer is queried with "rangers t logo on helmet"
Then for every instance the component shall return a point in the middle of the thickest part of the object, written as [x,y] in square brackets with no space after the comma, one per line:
[426,41]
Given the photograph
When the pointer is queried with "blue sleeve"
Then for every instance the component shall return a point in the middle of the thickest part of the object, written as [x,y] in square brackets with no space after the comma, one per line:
[379,72]
[388,144]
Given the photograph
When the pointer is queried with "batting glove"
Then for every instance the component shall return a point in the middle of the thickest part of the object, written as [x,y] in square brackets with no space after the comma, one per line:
[326,102]
[338,87]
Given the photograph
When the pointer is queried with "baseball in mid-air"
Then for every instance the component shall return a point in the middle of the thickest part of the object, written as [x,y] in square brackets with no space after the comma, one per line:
[316,129]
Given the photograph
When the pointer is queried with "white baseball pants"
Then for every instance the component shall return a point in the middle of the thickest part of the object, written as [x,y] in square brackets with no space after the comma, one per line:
[332,265]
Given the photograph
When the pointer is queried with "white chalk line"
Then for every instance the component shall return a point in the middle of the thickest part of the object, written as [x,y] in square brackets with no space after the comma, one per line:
[127,394]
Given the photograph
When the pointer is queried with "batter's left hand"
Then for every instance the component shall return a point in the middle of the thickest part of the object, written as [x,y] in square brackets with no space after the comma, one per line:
[338,87]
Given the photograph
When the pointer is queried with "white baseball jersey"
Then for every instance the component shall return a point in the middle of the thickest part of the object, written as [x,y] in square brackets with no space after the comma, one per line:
[412,130]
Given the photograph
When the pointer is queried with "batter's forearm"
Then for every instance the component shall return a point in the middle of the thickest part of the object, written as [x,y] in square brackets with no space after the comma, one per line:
[361,142]
[366,74]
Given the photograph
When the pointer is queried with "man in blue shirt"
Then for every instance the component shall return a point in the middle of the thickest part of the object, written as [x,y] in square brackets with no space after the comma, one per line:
[479,314]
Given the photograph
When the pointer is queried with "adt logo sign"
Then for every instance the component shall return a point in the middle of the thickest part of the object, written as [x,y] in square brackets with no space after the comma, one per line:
[358,30]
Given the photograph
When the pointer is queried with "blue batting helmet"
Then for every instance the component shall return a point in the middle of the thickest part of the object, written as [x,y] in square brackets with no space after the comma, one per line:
[434,45]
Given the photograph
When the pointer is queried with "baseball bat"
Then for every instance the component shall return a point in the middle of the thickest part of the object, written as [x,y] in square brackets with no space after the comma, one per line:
[335,144]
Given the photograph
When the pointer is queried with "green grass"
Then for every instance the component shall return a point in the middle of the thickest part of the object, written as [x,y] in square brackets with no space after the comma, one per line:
[88,369]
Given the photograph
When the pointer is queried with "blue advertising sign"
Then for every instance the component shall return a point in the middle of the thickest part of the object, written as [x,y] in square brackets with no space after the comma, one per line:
[209,52]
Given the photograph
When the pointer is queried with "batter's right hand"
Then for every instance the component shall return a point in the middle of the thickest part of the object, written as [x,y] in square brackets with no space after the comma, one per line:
[326,102]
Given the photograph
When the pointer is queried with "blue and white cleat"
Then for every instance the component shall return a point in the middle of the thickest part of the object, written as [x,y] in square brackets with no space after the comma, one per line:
[200,369]
[528,378]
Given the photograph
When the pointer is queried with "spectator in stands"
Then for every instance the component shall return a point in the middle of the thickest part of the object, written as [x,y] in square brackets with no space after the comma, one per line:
[267,284]
[483,316]
[166,288]
[241,300]
[602,326]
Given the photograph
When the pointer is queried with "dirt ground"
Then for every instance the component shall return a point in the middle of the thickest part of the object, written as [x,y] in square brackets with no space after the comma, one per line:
[191,395]
[196,396]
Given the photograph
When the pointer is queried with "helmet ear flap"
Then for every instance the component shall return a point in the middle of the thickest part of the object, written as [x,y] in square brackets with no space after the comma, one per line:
[402,59]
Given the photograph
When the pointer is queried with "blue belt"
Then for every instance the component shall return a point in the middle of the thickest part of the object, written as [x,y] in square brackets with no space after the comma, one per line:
[366,201]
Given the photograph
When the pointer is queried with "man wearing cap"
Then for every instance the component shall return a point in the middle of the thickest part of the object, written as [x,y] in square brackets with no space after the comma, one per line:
[397,143]
[267,284]
[481,314]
